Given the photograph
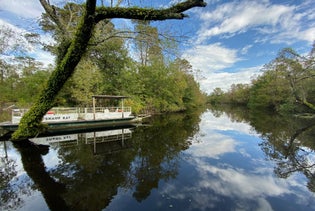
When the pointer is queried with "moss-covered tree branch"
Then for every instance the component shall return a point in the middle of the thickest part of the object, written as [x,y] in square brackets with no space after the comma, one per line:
[174,12]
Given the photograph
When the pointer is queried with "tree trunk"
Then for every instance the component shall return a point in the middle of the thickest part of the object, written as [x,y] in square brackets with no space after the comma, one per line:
[30,124]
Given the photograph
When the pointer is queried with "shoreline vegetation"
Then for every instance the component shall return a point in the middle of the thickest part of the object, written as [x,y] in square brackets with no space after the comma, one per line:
[285,86]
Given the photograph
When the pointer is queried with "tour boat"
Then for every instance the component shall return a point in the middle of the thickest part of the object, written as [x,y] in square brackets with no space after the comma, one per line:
[65,119]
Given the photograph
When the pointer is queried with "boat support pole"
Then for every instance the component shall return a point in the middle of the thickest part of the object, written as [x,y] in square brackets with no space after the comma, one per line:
[122,108]
[93,107]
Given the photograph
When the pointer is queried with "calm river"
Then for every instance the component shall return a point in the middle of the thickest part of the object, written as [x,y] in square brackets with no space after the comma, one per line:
[209,161]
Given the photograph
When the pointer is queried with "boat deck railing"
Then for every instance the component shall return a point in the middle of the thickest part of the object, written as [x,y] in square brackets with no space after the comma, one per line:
[67,110]
[105,109]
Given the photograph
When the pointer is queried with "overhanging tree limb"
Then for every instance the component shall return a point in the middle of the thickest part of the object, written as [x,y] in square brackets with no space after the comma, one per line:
[174,12]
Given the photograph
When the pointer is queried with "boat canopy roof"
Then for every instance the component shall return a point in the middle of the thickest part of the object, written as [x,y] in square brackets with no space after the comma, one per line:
[110,96]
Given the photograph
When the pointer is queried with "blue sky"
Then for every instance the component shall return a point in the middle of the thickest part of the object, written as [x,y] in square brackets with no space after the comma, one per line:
[227,41]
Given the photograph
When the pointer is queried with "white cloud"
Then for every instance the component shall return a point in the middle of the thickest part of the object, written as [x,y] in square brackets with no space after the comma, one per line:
[245,49]
[308,34]
[238,17]
[212,57]
[218,145]
[44,57]
[23,9]
[16,37]
[224,80]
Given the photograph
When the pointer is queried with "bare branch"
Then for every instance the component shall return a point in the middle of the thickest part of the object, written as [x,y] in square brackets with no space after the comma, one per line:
[51,12]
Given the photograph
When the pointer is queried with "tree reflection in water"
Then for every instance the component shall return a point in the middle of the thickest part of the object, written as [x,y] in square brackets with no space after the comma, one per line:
[292,155]
[33,164]
[158,149]
[84,180]
[7,172]
[289,141]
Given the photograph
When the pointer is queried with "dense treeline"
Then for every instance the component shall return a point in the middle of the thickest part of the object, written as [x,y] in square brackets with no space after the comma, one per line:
[285,86]
[154,82]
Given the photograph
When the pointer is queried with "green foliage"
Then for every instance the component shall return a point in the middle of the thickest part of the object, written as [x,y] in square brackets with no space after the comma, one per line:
[239,94]
[270,90]
[22,82]
[286,86]
[216,97]
[111,57]
[155,87]
[85,82]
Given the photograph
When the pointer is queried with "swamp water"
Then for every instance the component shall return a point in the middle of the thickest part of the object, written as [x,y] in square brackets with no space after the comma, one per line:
[211,161]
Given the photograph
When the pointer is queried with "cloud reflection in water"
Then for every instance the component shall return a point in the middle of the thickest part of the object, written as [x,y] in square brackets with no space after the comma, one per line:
[219,183]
